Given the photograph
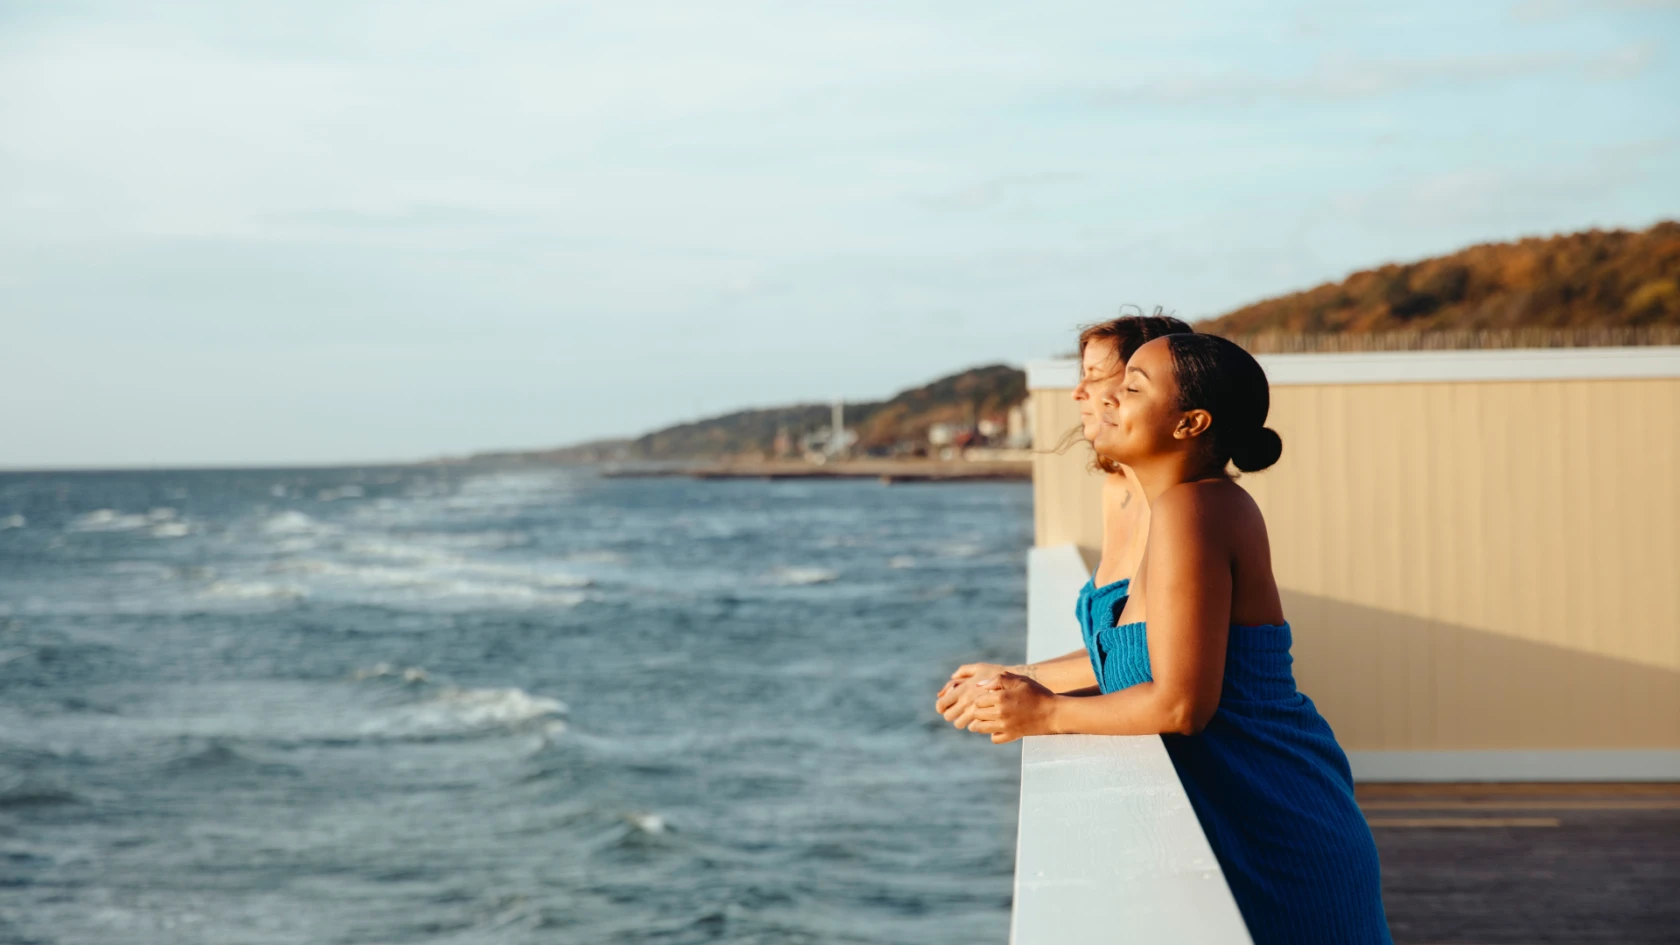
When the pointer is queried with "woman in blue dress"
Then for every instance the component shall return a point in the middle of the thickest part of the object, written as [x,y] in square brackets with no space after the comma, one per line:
[1104,349]
[1200,655]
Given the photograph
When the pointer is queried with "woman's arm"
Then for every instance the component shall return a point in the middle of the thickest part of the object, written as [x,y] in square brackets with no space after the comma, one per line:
[1188,599]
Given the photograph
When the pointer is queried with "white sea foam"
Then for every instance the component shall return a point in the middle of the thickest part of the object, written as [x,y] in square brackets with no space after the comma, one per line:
[108,520]
[493,540]
[171,530]
[456,710]
[378,670]
[292,522]
[960,549]
[513,593]
[255,590]
[795,577]
[458,580]
[496,706]
[13,521]
[161,514]
[508,490]
[399,551]
[652,824]
[538,576]
[900,562]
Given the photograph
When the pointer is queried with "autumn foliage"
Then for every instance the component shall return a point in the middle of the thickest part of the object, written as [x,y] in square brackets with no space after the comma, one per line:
[1594,279]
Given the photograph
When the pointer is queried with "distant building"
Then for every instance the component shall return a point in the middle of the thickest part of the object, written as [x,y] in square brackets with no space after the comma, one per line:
[941,434]
[1020,432]
[831,442]
[840,439]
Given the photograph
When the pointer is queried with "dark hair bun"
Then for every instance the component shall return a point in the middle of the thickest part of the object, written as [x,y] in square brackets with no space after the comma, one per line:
[1260,449]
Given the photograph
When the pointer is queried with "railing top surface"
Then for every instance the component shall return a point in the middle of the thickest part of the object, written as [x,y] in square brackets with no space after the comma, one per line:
[1430,366]
[1109,848]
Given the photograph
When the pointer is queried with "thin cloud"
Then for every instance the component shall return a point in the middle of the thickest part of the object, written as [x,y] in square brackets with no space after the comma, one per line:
[1510,197]
[992,192]
[1341,77]
[1547,11]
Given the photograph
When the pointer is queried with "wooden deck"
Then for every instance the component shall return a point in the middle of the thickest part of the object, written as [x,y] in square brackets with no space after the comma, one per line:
[1525,864]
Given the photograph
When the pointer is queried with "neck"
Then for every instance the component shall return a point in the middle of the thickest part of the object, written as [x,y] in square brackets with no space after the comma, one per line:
[1159,474]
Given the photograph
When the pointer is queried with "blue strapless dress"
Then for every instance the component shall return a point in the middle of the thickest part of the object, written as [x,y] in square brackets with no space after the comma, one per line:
[1269,784]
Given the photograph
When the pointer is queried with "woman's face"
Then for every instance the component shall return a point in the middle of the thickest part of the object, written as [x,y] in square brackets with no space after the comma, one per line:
[1100,377]
[1146,420]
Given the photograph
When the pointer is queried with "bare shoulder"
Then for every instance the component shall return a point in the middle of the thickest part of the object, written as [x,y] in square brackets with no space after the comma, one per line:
[1207,507]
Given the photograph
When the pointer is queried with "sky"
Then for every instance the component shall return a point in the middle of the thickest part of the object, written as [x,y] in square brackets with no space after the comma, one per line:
[353,231]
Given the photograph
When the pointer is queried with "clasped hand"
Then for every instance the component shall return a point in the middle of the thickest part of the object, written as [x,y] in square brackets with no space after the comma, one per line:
[989,699]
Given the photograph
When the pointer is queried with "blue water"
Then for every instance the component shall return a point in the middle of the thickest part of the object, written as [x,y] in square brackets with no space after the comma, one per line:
[454,705]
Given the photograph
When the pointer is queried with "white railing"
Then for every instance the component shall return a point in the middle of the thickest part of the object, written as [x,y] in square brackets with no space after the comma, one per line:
[1109,849]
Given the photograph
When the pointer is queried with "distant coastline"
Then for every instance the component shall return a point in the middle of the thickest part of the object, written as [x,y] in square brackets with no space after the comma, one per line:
[888,471]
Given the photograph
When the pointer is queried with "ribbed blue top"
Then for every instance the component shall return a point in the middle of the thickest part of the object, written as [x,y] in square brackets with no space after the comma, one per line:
[1271,788]
[1100,607]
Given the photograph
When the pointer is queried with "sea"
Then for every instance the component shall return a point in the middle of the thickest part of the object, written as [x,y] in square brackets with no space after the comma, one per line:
[453,704]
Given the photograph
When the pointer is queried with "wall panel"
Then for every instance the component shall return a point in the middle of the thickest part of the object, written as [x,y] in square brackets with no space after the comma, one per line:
[1466,564]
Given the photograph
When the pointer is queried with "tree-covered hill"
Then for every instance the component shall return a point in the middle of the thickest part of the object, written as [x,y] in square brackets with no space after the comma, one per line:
[1594,279]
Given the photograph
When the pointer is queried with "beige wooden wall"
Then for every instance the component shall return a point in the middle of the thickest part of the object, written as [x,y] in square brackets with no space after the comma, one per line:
[1466,565]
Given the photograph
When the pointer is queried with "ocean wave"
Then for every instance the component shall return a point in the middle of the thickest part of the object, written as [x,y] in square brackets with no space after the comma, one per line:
[171,530]
[218,758]
[27,792]
[383,670]
[519,593]
[444,708]
[650,824]
[595,557]
[342,492]
[799,577]
[901,562]
[155,569]
[538,576]
[108,520]
[398,551]
[452,710]
[255,590]
[531,587]
[293,522]
[493,540]
[13,521]
[438,559]
[959,549]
